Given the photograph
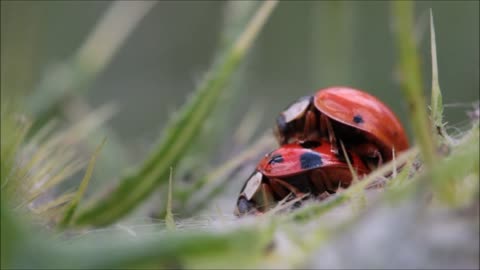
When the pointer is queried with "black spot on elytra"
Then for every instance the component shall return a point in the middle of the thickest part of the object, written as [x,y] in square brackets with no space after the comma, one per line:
[310,144]
[310,160]
[357,119]
[276,159]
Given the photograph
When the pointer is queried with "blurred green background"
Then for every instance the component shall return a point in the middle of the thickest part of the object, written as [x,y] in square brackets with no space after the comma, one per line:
[306,45]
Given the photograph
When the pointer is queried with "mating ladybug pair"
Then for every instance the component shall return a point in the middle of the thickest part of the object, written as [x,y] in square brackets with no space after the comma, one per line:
[310,159]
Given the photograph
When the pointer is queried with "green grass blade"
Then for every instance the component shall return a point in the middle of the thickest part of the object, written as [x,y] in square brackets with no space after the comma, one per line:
[222,120]
[13,133]
[188,249]
[56,204]
[169,220]
[412,79]
[81,189]
[436,105]
[180,132]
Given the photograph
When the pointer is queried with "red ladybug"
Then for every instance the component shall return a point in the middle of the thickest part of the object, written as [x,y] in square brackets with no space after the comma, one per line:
[365,124]
[296,169]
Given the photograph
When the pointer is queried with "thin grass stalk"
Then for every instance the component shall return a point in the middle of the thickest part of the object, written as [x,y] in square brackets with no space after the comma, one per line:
[169,220]
[412,86]
[436,98]
[81,189]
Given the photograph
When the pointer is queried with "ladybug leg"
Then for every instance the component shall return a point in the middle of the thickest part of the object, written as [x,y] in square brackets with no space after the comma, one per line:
[327,129]
[278,189]
[331,186]
[378,156]
[323,196]
[371,152]
[310,129]
[288,186]
[321,182]
[267,196]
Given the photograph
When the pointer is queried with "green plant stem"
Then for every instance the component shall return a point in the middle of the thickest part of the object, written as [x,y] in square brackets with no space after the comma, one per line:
[81,189]
[412,80]
[436,105]
[169,220]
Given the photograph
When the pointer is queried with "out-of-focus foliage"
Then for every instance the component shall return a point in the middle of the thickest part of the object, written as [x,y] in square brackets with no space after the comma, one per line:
[68,67]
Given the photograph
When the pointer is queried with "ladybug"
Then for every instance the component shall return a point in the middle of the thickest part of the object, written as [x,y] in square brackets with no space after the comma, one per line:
[357,118]
[298,169]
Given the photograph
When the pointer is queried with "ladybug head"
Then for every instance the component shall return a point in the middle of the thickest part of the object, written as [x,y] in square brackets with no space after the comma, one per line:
[244,207]
[288,122]
[246,203]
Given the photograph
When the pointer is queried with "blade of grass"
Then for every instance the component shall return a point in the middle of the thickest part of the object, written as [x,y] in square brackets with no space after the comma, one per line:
[216,137]
[60,176]
[187,248]
[12,136]
[412,86]
[359,199]
[52,158]
[114,155]
[179,135]
[436,105]
[169,220]
[39,175]
[193,248]
[82,188]
[59,201]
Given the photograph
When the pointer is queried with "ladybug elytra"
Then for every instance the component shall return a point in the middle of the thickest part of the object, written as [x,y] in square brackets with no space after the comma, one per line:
[357,118]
